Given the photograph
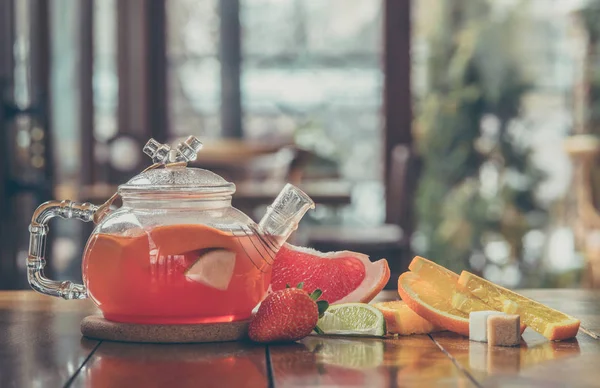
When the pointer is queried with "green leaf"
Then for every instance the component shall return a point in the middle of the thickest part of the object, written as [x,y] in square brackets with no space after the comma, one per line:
[300,285]
[318,330]
[287,285]
[316,294]
[322,306]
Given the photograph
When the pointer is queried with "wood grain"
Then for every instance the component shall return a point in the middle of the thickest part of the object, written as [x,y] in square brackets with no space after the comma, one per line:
[40,345]
[413,361]
[230,364]
[40,342]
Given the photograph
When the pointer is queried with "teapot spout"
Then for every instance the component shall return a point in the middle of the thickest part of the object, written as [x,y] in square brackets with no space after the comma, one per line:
[283,216]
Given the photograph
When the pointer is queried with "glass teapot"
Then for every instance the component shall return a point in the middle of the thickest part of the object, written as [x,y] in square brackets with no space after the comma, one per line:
[176,251]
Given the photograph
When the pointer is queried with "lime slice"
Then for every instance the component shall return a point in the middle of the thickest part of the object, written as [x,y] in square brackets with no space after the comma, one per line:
[352,319]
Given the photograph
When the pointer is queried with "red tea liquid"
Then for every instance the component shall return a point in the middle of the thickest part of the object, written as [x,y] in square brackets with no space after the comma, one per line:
[142,278]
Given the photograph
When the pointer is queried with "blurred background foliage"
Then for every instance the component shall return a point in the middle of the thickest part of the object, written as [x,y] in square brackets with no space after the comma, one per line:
[476,198]
[590,21]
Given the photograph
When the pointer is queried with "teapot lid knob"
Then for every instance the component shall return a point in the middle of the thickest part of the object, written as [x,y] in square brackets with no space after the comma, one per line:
[188,150]
[184,152]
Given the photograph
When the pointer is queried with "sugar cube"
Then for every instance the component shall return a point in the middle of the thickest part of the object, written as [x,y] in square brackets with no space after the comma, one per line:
[478,324]
[504,330]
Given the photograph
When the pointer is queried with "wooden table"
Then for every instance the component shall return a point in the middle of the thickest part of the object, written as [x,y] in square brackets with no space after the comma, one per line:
[40,346]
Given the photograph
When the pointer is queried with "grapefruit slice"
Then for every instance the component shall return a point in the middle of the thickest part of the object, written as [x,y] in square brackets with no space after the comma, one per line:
[400,319]
[213,268]
[551,323]
[344,277]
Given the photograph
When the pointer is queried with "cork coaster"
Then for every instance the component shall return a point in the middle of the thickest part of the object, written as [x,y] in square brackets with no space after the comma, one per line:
[95,326]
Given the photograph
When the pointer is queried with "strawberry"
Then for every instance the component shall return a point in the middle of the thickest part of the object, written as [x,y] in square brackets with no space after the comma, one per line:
[287,315]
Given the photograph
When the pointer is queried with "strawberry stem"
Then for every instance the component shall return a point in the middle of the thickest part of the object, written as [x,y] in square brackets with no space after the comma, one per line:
[318,330]
[316,294]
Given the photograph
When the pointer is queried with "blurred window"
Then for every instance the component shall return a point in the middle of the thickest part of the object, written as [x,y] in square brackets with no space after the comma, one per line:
[194,69]
[105,84]
[65,87]
[310,71]
[105,81]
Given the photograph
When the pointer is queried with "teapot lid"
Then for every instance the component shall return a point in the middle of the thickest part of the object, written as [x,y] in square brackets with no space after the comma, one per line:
[175,176]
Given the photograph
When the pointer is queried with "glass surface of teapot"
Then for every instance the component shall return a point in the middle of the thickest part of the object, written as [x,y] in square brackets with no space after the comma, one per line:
[176,251]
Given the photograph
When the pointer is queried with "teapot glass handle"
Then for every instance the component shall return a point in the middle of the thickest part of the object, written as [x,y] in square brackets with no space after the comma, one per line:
[38,229]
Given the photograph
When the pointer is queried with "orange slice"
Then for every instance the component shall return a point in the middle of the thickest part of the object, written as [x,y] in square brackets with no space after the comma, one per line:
[551,323]
[444,279]
[432,291]
[425,299]
[400,319]
[446,285]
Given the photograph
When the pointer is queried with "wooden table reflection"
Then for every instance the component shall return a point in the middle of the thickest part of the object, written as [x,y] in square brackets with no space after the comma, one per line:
[41,346]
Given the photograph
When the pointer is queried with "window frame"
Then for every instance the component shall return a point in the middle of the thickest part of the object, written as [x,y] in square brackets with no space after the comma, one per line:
[142,73]
[397,100]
